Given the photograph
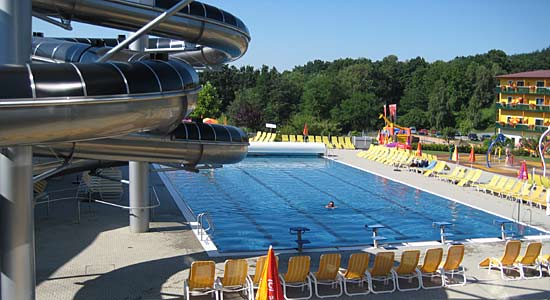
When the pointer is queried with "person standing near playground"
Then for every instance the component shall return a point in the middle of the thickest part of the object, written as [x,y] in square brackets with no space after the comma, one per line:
[509,160]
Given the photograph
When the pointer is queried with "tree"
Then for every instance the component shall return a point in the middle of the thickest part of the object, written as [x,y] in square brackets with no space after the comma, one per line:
[246,110]
[208,103]
[358,112]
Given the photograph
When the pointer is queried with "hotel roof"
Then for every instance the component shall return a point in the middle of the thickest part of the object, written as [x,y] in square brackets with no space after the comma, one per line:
[530,74]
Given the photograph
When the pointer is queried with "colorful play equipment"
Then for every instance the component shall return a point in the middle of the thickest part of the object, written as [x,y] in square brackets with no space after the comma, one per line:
[393,135]
[499,139]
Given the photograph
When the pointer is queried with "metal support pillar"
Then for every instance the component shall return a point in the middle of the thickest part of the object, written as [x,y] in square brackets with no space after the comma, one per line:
[17,224]
[139,197]
[139,171]
[17,261]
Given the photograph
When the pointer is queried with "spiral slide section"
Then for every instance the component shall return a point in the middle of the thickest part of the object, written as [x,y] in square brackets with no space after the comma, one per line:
[131,107]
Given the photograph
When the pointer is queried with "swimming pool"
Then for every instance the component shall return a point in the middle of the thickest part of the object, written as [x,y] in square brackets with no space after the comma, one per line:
[255,202]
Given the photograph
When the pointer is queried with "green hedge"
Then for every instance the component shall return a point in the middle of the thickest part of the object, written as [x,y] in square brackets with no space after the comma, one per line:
[478,149]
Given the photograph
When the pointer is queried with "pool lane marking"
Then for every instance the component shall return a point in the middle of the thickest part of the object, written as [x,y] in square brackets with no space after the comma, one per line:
[238,206]
[442,196]
[383,197]
[302,211]
[347,204]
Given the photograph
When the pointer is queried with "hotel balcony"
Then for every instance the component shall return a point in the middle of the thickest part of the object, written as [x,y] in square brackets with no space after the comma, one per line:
[521,127]
[523,107]
[523,90]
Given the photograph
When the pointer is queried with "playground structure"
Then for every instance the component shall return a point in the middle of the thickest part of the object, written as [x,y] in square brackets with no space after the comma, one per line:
[393,135]
[499,139]
[94,100]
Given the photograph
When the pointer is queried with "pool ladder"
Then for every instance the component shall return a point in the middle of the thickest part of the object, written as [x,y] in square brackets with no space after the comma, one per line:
[201,218]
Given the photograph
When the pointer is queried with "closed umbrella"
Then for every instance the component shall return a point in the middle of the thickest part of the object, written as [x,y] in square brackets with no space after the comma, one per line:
[270,286]
[472,157]
[455,155]
[305,131]
[419,149]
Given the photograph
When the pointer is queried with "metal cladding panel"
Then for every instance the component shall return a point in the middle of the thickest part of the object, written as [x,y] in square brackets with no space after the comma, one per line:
[213,13]
[196,9]
[102,79]
[140,78]
[188,74]
[57,80]
[14,82]
[237,135]
[207,132]
[192,131]
[229,18]
[222,134]
[45,49]
[169,78]
[70,52]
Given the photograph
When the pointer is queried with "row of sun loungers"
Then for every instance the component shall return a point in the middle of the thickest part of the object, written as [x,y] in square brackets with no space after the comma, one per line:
[512,261]
[515,190]
[357,279]
[262,136]
[334,142]
[532,192]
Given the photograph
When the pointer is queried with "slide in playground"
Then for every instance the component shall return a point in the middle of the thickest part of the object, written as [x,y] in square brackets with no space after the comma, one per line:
[132,106]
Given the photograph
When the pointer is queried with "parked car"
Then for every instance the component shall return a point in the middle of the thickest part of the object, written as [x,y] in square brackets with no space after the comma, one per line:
[423,132]
[473,137]
[413,130]
[485,137]
[438,134]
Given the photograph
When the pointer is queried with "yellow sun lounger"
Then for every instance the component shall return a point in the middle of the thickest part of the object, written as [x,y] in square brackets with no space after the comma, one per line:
[452,266]
[472,180]
[482,186]
[506,261]
[284,138]
[430,267]
[256,137]
[327,142]
[328,275]
[235,278]
[408,270]
[201,279]
[297,276]
[530,260]
[381,271]
[355,273]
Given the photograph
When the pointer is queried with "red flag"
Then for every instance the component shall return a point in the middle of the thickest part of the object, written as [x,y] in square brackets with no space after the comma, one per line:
[305,132]
[393,111]
[270,286]
[385,114]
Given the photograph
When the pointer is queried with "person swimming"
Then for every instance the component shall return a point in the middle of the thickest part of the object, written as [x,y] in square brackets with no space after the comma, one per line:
[330,205]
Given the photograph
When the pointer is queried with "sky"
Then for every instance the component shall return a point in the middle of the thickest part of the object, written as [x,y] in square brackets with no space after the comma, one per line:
[287,33]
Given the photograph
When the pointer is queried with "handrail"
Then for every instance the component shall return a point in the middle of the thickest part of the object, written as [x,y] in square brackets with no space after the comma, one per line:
[200,224]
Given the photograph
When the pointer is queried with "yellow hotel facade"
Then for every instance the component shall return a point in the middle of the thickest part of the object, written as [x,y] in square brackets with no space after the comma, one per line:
[523,104]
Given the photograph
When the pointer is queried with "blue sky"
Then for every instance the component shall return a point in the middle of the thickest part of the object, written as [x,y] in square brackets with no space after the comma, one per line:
[287,33]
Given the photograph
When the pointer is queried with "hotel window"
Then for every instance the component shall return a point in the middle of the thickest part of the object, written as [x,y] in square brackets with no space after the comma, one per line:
[540,83]
[510,82]
[539,122]
[540,101]
[520,83]
[509,100]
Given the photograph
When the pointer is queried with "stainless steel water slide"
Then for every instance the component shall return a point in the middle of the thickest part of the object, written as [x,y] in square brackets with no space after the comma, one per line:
[55,105]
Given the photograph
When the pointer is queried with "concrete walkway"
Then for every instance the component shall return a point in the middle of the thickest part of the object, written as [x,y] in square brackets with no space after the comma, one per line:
[100,259]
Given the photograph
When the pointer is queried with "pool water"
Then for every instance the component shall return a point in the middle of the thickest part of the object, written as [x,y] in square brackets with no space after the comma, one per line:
[255,202]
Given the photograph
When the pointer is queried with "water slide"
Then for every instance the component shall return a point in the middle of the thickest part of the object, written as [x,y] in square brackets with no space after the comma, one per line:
[130,107]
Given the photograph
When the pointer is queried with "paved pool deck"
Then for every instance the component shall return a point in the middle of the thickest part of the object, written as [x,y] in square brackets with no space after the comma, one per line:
[99,258]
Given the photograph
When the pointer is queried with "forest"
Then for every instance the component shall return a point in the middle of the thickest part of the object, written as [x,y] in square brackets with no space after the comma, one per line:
[347,95]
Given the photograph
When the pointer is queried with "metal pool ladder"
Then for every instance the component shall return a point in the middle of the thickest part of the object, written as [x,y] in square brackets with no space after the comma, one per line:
[201,218]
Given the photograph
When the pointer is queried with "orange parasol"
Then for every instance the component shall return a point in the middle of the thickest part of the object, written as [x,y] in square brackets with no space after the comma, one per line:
[270,286]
